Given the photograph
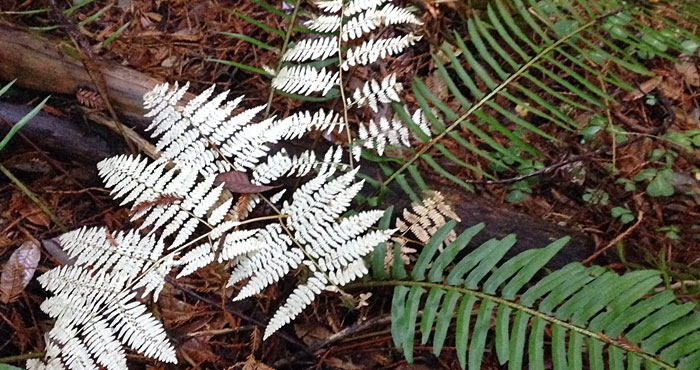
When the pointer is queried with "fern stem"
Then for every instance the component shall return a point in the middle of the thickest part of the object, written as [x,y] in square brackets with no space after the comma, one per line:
[516,306]
[492,94]
[287,36]
[26,356]
[341,86]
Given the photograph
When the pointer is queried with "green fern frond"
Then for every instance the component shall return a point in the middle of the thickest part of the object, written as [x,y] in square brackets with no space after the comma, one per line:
[543,59]
[611,319]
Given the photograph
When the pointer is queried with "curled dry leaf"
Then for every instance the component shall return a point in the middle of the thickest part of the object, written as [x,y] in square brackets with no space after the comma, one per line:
[238,182]
[644,88]
[18,271]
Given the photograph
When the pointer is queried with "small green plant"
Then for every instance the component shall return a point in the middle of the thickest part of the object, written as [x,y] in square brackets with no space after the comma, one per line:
[660,184]
[628,184]
[624,214]
[671,232]
[596,196]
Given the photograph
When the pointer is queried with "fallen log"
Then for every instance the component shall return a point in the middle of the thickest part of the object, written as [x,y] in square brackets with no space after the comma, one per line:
[61,136]
[37,63]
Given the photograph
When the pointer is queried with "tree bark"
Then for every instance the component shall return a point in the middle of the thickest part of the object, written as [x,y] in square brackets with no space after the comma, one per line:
[61,136]
[37,63]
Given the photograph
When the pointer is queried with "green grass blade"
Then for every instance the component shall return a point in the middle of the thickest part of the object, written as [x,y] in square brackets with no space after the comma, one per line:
[22,121]
[251,40]
[4,89]
[239,65]
[116,33]
[256,23]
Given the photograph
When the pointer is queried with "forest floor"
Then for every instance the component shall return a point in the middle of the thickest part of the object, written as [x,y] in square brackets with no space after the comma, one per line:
[176,41]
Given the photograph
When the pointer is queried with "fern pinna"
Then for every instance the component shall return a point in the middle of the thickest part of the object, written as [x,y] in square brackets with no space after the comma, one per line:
[191,218]
[525,69]
[593,316]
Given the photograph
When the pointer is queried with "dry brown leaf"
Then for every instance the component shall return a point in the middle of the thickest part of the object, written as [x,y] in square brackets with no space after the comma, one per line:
[34,214]
[644,88]
[18,271]
[238,182]
[689,72]
[671,88]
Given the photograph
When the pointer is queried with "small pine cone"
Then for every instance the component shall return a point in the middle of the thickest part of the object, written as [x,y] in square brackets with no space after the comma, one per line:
[89,98]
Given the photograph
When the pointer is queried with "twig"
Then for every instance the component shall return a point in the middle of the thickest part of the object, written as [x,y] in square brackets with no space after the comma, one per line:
[33,197]
[337,337]
[640,217]
[88,59]
[143,145]
[53,162]
[668,121]
[289,339]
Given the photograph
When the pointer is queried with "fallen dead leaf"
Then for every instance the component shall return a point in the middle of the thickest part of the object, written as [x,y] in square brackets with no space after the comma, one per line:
[18,271]
[238,182]
[644,88]
[689,72]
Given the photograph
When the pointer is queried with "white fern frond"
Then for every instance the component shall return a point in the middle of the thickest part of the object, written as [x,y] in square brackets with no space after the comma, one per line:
[139,329]
[370,51]
[296,125]
[125,253]
[373,91]
[266,264]
[195,259]
[304,80]
[353,250]
[392,15]
[348,273]
[102,343]
[357,6]
[189,136]
[154,280]
[386,132]
[370,19]
[329,6]
[324,23]
[80,295]
[421,121]
[238,243]
[275,198]
[281,164]
[251,143]
[363,24]
[352,226]
[133,179]
[301,297]
[312,49]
